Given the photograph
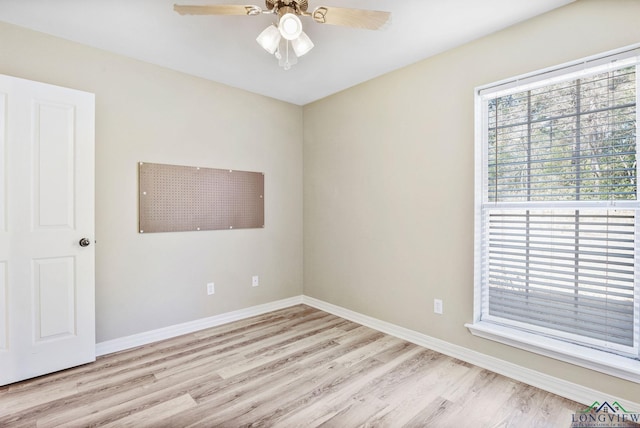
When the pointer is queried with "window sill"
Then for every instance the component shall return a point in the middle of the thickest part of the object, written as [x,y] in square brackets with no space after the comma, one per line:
[611,364]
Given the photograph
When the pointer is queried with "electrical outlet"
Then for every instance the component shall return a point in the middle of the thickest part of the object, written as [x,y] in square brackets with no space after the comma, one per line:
[211,288]
[255,281]
[437,306]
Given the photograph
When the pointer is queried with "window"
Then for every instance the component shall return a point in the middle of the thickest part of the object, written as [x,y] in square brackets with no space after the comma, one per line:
[557,212]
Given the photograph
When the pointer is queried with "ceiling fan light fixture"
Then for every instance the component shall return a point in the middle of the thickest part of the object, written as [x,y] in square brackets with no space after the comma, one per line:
[302,44]
[269,39]
[285,39]
[290,26]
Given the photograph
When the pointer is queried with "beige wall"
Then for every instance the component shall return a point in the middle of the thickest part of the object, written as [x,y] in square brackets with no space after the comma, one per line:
[147,113]
[389,169]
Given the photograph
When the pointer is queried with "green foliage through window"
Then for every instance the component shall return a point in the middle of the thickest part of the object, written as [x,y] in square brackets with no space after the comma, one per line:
[573,140]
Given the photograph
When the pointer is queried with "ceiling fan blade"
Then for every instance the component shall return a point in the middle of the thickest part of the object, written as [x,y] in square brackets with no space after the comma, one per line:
[217,9]
[357,18]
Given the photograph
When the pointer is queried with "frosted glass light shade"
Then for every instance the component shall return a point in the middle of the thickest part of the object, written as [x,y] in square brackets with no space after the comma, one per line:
[290,26]
[269,39]
[302,44]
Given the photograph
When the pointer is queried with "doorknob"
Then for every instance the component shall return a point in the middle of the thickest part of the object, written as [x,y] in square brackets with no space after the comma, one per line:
[84,242]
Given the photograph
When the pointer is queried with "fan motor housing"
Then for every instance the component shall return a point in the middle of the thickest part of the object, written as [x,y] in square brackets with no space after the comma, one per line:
[298,5]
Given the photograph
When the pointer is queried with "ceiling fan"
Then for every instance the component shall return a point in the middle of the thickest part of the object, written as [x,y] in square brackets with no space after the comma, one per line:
[285,39]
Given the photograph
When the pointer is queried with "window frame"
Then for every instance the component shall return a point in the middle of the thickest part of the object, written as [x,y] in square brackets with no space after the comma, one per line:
[626,367]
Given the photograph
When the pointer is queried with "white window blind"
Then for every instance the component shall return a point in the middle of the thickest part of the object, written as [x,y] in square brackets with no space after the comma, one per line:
[558,205]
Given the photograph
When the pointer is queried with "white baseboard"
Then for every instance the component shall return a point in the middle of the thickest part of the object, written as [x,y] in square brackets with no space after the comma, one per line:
[146,337]
[563,388]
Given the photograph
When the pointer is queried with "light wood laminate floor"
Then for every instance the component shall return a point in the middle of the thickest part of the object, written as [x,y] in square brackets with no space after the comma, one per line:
[296,367]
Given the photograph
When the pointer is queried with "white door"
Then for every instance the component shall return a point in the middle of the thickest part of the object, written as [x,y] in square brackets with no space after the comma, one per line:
[47,307]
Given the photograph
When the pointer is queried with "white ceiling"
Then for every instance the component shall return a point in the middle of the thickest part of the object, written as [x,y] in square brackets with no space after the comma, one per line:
[223,48]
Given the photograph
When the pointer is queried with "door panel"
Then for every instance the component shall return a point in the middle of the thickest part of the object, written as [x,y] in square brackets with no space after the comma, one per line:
[48,168]
[3,165]
[53,165]
[4,238]
[4,309]
[54,295]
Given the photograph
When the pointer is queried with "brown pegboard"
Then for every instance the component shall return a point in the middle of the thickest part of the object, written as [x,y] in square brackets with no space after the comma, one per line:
[176,198]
